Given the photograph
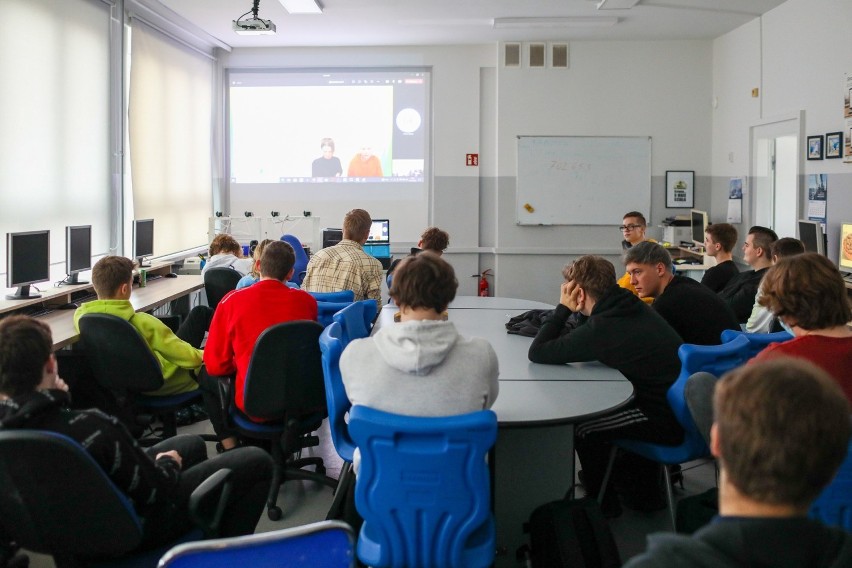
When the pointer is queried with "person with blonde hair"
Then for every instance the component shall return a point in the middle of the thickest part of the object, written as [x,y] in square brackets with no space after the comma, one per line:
[254,275]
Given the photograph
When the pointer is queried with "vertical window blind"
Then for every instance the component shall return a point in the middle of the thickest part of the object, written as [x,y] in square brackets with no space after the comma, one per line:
[170,111]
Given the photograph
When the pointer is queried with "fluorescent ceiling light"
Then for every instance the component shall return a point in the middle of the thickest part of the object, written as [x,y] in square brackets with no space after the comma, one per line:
[254,26]
[302,6]
[576,22]
[616,4]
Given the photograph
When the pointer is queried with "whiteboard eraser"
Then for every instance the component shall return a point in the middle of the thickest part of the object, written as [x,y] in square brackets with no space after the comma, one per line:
[529,207]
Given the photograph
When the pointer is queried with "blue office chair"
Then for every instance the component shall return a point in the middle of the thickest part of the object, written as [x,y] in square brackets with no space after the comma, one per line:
[423,489]
[284,388]
[834,505]
[326,311]
[356,319]
[123,363]
[714,359]
[57,500]
[331,344]
[341,296]
[301,264]
[327,544]
[757,341]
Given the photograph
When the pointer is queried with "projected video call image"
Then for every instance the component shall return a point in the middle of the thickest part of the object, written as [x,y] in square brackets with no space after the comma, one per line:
[328,127]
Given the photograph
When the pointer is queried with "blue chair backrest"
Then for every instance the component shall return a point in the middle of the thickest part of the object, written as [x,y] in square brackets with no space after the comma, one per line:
[331,345]
[423,488]
[301,263]
[356,319]
[327,544]
[714,359]
[326,311]
[834,505]
[757,341]
[341,296]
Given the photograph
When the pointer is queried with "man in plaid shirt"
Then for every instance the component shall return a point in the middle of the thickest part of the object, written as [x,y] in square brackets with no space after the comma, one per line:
[346,266]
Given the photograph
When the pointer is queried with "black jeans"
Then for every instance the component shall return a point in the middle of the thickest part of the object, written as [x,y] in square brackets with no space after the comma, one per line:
[195,325]
[251,475]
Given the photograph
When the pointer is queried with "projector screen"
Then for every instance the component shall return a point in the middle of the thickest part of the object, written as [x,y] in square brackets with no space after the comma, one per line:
[329,140]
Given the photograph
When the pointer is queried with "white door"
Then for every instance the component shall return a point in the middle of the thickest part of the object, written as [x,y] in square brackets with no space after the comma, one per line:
[775,165]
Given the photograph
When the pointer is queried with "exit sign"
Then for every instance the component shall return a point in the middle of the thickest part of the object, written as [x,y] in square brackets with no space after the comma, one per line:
[471,159]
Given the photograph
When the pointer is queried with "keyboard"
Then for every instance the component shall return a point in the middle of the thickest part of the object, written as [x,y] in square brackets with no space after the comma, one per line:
[36,311]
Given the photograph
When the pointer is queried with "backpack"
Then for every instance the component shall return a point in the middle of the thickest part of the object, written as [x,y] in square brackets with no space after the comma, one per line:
[570,533]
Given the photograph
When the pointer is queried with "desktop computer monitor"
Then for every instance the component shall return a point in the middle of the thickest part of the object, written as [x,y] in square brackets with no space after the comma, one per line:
[379,232]
[810,233]
[78,252]
[27,262]
[698,222]
[331,237]
[844,259]
[143,240]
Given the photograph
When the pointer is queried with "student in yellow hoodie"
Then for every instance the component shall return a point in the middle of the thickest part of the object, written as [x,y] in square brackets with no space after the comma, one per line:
[178,354]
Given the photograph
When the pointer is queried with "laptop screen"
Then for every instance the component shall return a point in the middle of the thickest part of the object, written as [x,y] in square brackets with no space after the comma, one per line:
[379,232]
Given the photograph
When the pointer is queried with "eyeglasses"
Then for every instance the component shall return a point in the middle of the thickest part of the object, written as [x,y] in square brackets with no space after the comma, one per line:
[629,227]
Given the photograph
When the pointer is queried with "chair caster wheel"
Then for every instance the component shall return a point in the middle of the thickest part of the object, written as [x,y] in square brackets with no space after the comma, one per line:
[274,513]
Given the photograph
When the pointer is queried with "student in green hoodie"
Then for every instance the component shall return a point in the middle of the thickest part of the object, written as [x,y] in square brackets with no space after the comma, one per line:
[178,354]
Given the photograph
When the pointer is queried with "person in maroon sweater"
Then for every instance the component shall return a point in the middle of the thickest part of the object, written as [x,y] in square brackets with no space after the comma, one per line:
[807,293]
[242,316]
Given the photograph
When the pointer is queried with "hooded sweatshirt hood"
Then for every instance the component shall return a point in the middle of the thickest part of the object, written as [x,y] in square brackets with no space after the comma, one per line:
[416,347]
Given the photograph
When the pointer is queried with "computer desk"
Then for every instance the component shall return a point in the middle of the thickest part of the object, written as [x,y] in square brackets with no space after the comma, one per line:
[537,408]
[157,293]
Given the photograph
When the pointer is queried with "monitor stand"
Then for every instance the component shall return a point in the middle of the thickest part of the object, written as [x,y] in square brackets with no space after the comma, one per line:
[73,279]
[140,263]
[23,293]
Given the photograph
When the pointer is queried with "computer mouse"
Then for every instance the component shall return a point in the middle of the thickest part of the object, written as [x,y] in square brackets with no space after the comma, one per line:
[69,306]
[171,275]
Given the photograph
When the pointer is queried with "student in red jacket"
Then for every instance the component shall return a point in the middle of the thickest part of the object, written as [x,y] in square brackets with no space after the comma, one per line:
[242,316]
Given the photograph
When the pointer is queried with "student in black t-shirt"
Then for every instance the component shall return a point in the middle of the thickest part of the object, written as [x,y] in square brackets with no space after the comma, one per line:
[719,242]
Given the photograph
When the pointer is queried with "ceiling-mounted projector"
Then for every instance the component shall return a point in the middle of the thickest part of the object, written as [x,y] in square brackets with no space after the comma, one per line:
[254,26]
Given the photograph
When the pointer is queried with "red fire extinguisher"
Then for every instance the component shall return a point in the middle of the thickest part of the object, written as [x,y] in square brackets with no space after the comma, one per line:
[483,283]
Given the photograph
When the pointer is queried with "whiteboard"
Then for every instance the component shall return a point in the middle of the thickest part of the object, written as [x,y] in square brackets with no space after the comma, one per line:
[582,180]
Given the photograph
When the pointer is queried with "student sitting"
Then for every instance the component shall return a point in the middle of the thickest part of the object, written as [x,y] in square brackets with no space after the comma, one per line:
[178,354]
[633,227]
[226,252]
[157,481]
[254,274]
[695,312]
[421,366]
[719,242]
[241,317]
[761,319]
[345,266]
[741,290]
[781,431]
[621,332]
[433,239]
[807,293]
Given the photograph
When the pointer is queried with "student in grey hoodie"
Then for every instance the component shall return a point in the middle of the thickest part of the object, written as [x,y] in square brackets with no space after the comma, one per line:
[421,366]
[781,431]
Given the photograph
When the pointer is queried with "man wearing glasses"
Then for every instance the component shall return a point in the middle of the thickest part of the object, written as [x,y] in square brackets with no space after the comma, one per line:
[633,230]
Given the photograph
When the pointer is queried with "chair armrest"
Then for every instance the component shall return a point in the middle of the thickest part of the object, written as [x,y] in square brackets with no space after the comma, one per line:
[208,501]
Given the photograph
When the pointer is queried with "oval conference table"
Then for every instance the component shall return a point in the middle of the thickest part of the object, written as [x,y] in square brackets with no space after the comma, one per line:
[537,408]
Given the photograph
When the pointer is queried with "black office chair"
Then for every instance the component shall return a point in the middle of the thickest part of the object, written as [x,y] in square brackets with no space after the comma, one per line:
[218,282]
[124,364]
[285,387]
[55,499]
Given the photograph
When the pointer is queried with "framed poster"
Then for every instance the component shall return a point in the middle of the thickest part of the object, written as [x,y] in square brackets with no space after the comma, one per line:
[815,147]
[680,189]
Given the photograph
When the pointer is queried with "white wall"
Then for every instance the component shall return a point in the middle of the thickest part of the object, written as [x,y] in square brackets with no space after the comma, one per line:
[658,89]
[797,54]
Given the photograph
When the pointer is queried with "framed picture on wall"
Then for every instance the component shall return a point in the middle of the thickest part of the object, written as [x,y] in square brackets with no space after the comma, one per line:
[815,147]
[833,145]
[680,189]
